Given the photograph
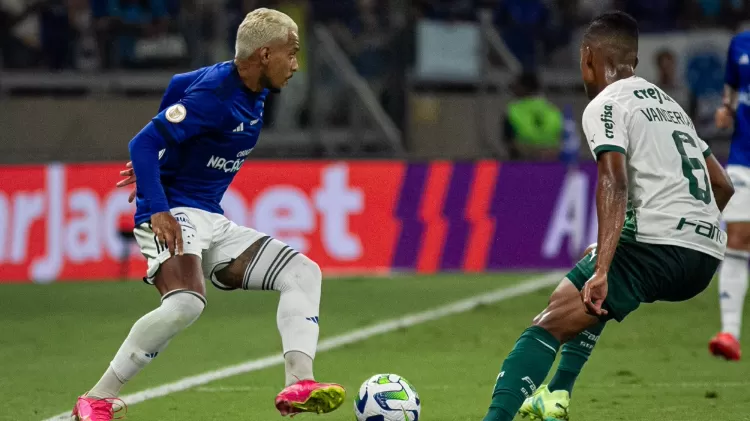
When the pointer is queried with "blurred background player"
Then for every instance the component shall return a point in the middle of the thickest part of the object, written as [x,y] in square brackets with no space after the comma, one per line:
[659,196]
[184,161]
[734,271]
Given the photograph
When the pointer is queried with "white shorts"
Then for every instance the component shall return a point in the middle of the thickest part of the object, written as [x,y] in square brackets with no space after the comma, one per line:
[211,236]
[738,208]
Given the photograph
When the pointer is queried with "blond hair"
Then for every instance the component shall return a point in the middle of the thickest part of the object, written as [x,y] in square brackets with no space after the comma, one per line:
[259,28]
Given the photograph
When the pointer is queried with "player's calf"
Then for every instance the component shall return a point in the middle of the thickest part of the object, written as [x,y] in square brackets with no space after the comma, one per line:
[534,353]
[179,308]
[270,264]
[733,277]
[733,284]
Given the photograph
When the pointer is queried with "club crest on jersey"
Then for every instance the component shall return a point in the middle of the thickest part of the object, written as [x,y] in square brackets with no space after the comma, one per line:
[609,124]
[176,113]
[183,220]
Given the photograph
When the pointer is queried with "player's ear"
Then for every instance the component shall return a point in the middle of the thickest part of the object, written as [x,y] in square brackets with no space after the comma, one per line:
[585,56]
[590,57]
[265,55]
[588,62]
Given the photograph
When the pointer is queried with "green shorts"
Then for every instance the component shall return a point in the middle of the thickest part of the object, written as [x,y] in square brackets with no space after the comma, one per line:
[644,273]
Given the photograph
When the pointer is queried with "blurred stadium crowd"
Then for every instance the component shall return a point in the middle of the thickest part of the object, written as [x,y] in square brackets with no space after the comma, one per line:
[110,34]
[380,38]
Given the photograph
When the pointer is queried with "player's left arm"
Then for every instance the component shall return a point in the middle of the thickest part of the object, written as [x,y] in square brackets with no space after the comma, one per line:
[721,184]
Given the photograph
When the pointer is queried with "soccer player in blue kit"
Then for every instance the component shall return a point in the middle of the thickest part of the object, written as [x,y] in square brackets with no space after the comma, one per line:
[733,275]
[184,161]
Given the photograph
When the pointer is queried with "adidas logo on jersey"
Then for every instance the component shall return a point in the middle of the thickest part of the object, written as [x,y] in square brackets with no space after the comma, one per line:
[744,59]
[239,128]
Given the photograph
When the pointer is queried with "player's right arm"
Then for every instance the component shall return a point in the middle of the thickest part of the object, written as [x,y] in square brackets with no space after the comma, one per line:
[721,184]
[176,88]
[725,113]
[605,124]
[197,112]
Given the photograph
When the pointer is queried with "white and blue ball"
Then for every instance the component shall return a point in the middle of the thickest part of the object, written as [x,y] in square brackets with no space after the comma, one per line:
[387,397]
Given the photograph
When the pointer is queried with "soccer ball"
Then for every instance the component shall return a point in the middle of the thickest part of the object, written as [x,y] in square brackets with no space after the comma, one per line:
[387,397]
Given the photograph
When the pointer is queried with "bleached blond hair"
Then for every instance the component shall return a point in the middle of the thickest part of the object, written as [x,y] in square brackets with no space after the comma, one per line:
[259,28]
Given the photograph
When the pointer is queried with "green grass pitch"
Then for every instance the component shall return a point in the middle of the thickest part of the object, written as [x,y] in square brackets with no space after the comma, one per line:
[56,340]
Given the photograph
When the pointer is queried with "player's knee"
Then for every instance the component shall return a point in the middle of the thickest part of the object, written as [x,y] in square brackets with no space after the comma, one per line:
[563,316]
[185,307]
[557,327]
[303,274]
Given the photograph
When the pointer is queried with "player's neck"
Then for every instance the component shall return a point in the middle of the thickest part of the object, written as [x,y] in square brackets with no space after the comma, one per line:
[250,77]
[252,81]
[616,74]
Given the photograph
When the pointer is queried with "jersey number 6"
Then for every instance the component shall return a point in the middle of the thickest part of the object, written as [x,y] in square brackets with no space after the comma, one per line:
[691,164]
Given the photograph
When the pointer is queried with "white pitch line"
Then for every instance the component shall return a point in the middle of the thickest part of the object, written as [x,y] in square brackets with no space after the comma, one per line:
[338,341]
[674,385]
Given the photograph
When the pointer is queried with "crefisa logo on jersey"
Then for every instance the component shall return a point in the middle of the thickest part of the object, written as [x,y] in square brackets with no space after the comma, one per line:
[609,124]
[226,165]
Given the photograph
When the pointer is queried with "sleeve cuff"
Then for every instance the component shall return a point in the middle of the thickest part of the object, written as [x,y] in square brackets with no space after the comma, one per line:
[707,152]
[156,206]
[608,148]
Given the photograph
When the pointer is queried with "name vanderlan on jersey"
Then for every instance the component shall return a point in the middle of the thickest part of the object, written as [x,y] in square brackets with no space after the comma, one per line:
[656,114]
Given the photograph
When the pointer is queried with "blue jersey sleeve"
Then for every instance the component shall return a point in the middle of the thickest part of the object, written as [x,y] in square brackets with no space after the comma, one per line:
[197,112]
[171,95]
[177,87]
[732,74]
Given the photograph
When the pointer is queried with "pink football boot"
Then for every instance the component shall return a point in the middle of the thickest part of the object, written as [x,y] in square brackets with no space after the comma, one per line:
[93,409]
[310,396]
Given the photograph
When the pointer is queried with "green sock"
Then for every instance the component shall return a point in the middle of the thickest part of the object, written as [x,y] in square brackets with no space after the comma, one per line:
[573,356]
[525,368]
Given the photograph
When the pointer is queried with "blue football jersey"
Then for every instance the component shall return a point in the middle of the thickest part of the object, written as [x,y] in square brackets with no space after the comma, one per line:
[738,77]
[189,153]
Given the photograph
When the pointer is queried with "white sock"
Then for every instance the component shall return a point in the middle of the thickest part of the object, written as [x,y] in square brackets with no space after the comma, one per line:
[732,289]
[299,281]
[149,336]
[297,366]
[299,304]
[108,387]
[297,317]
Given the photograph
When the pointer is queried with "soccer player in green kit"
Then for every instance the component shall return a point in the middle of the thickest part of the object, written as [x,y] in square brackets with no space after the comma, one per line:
[659,195]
